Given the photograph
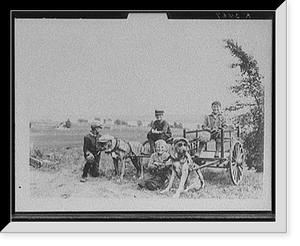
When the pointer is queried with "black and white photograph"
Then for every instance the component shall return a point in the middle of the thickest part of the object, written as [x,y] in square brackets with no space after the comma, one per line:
[146,116]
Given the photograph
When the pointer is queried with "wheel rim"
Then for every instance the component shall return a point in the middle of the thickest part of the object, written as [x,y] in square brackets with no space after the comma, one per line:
[147,152]
[236,162]
[146,148]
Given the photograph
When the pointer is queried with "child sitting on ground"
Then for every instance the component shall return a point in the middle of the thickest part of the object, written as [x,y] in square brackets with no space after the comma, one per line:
[158,171]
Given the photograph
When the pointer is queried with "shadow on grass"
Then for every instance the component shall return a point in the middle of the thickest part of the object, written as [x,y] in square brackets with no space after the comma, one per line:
[216,176]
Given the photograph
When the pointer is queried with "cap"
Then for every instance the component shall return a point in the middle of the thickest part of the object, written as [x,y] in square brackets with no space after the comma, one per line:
[159,112]
[95,125]
[177,139]
[105,138]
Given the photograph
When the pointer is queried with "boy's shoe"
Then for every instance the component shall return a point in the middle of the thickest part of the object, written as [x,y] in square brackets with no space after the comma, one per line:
[83,179]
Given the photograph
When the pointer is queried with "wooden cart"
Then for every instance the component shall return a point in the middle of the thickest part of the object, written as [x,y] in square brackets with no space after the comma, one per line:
[232,152]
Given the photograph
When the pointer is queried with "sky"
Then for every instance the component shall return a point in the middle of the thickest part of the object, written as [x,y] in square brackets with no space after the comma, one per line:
[81,68]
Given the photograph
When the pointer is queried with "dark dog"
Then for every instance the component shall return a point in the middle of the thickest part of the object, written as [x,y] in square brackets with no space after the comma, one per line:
[183,168]
[121,150]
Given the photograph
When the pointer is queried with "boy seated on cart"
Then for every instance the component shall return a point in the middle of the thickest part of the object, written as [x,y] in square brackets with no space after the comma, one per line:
[212,128]
[160,129]
[158,171]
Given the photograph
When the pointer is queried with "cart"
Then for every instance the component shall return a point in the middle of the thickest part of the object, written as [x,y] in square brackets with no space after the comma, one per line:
[232,152]
[232,155]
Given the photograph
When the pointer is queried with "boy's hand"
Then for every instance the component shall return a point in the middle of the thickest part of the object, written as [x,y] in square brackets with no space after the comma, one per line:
[155,131]
[89,156]
[205,128]
[152,166]
[215,129]
[163,168]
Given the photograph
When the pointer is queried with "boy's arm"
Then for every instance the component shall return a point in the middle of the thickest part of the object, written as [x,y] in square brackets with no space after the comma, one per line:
[165,127]
[151,164]
[153,127]
[168,161]
[223,122]
[205,125]
[85,146]
[86,153]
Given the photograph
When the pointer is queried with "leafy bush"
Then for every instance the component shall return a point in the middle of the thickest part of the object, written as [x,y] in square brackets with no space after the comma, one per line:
[68,123]
[249,87]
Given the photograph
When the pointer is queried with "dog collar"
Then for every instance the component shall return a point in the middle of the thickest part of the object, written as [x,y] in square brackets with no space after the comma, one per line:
[181,159]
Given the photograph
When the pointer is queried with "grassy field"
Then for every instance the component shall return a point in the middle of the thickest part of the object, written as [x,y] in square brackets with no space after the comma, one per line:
[60,176]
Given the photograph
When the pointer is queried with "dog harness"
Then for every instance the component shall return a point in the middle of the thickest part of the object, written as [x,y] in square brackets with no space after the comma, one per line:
[181,159]
[120,145]
[114,148]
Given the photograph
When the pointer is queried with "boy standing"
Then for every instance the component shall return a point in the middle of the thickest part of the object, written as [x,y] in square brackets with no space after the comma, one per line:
[91,152]
[158,171]
[212,128]
[160,129]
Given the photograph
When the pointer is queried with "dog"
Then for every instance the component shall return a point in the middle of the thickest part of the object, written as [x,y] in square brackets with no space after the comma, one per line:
[183,168]
[120,151]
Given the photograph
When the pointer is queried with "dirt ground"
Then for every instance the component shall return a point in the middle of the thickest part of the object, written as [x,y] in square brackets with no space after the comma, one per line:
[60,176]
[63,180]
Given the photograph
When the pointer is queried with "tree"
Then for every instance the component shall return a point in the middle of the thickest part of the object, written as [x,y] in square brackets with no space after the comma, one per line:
[68,123]
[139,123]
[117,122]
[250,87]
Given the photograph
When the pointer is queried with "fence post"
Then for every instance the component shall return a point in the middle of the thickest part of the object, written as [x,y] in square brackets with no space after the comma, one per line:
[184,133]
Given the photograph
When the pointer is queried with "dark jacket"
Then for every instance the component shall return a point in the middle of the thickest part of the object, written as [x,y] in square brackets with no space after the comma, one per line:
[162,126]
[90,144]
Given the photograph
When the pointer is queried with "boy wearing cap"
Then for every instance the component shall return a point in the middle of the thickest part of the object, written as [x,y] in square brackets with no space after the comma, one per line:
[91,152]
[158,170]
[160,129]
[211,126]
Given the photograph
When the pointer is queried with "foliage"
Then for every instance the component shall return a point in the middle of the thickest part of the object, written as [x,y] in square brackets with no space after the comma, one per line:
[120,122]
[178,125]
[249,86]
[139,123]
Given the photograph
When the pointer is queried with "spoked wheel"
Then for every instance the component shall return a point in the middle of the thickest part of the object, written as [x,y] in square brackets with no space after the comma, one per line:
[146,148]
[236,162]
[146,153]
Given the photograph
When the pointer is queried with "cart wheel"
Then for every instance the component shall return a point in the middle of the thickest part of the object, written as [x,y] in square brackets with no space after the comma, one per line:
[236,162]
[146,148]
[146,153]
